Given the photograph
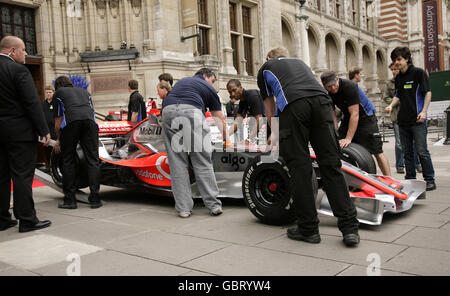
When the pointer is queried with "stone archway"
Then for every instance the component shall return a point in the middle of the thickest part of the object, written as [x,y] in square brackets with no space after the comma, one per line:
[314,47]
[382,66]
[332,52]
[367,60]
[287,38]
[351,56]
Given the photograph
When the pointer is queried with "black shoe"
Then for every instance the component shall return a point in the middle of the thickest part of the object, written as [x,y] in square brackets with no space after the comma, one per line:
[37,226]
[293,233]
[69,206]
[10,224]
[96,204]
[431,186]
[351,239]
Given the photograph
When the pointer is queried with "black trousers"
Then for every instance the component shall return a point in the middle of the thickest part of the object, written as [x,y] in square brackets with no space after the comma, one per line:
[84,132]
[17,163]
[310,120]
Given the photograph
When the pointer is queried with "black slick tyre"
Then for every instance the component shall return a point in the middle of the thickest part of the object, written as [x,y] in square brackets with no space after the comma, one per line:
[265,187]
[358,156]
[56,169]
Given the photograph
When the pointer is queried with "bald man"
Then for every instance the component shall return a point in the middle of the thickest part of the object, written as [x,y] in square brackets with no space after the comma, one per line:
[21,122]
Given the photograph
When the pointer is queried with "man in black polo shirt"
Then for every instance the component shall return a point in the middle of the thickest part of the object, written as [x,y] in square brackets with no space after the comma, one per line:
[250,104]
[232,107]
[305,116]
[413,92]
[186,137]
[75,123]
[49,106]
[359,123]
[136,106]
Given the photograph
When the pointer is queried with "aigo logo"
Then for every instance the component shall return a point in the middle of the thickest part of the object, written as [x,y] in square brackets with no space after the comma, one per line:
[234,161]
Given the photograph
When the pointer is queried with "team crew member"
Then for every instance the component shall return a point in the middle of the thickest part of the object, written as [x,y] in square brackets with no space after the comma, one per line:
[183,115]
[21,121]
[250,104]
[355,74]
[388,96]
[359,123]
[232,107]
[75,123]
[305,116]
[413,92]
[136,105]
[49,106]
[167,77]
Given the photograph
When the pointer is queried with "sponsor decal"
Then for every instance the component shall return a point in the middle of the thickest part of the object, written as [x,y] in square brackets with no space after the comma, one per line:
[149,175]
[235,161]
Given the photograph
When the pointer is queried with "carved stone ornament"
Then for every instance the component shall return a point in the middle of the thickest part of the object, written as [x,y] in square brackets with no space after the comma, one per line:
[101,7]
[136,6]
[114,7]
[38,2]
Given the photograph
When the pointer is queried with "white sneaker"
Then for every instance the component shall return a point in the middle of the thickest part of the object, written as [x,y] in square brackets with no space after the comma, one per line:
[216,212]
[184,214]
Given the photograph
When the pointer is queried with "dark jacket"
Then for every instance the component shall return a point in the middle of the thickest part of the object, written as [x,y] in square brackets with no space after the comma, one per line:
[21,115]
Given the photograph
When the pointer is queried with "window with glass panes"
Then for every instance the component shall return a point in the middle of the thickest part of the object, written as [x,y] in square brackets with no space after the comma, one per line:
[204,27]
[355,10]
[242,37]
[19,21]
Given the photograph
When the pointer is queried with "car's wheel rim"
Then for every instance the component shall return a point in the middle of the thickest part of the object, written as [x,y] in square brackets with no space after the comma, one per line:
[270,187]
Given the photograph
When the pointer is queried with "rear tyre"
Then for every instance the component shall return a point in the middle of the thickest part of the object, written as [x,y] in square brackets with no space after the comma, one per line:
[266,191]
[56,164]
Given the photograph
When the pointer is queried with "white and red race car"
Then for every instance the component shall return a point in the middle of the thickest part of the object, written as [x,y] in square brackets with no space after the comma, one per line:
[133,156]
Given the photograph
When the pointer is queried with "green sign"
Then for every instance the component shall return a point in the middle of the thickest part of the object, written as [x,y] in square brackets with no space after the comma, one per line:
[440,86]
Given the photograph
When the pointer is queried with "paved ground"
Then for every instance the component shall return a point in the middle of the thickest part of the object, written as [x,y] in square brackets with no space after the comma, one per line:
[137,234]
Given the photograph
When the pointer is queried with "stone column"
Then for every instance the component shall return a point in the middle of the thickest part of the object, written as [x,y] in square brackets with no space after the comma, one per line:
[64,26]
[94,26]
[374,74]
[322,54]
[87,29]
[157,15]
[341,57]
[304,44]
[227,65]
[130,31]
[51,26]
[327,6]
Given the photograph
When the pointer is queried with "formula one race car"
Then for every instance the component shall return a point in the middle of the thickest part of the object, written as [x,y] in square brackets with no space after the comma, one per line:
[134,157]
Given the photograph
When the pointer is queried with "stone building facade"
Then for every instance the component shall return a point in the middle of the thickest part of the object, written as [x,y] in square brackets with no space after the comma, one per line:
[112,41]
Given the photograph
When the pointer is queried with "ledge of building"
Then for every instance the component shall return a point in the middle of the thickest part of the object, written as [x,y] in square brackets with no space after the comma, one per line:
[109,55]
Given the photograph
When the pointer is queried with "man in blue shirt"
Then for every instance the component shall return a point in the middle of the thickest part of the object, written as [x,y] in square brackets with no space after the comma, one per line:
[186,137]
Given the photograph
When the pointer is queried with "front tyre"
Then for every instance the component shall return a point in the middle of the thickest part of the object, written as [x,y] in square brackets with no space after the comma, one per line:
[265,187]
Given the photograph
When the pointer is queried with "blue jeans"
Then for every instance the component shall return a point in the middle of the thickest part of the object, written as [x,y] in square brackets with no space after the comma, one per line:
[415,136]
[399,157]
